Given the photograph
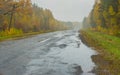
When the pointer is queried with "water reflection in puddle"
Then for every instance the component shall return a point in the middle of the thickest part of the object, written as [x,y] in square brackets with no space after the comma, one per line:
[68,56]
[74,54]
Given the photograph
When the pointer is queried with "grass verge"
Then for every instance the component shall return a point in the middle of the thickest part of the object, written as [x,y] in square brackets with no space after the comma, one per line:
[108,59]
[18,35]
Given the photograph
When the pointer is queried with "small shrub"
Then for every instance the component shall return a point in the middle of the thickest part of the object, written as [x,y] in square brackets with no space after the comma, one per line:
[10,33]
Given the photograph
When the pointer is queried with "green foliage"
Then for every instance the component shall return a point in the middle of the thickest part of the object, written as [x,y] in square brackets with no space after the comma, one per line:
[105,16]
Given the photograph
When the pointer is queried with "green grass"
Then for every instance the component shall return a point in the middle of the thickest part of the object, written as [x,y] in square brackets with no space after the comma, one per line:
[110,44]
[108,47]
[17,34]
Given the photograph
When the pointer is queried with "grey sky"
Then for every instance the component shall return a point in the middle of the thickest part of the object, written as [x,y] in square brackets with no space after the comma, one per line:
[67,10]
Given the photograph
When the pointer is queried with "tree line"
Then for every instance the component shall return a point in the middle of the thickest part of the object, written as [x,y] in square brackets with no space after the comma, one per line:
[28,17]
[104,17]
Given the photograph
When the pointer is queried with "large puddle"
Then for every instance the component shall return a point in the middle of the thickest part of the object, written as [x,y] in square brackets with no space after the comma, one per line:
[77,53]
[68,56]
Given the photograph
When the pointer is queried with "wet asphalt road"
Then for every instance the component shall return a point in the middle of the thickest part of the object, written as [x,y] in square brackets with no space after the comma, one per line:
[56,53]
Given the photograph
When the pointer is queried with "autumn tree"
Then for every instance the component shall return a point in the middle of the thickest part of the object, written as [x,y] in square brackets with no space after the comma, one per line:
[28,17]
[105,16]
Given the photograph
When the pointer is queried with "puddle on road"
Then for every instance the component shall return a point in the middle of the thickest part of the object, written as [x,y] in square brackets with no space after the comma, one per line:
[69,57]
[74,54]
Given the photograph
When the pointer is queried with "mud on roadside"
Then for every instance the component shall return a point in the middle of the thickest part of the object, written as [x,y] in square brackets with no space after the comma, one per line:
[104,66]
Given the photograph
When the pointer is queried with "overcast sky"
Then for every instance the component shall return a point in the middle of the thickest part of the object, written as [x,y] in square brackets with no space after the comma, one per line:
[67,10]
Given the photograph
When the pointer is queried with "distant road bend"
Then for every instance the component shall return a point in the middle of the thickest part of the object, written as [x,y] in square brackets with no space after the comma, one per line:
[55,53]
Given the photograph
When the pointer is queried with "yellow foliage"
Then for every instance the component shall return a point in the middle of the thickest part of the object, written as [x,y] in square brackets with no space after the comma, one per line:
[11,32]
[111,10]
[114,30]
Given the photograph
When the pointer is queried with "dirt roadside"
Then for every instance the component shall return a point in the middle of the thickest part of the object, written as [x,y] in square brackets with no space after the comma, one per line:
[104,66]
